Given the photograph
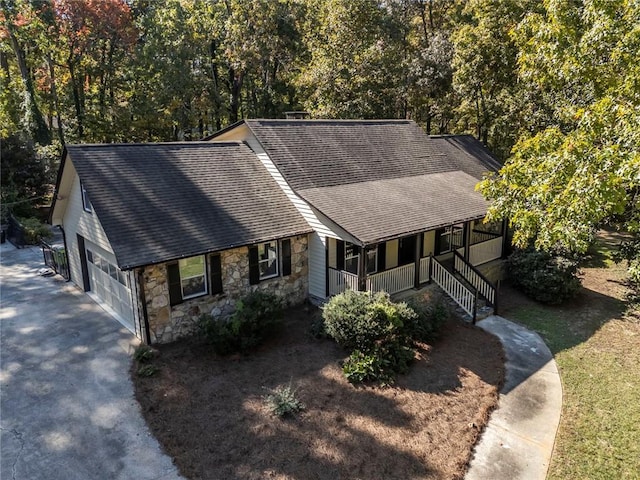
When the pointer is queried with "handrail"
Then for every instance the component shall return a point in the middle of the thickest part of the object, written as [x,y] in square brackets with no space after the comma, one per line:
[485,288]
[460,293]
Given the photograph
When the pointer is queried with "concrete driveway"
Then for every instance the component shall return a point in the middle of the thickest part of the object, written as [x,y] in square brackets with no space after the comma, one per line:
[67,409]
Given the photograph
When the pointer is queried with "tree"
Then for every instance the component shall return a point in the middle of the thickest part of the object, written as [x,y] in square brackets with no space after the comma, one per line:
[563,181]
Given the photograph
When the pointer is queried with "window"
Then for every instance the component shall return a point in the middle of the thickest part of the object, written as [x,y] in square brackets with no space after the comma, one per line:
[268,260]
[193,278]
[352,258]
[86,204]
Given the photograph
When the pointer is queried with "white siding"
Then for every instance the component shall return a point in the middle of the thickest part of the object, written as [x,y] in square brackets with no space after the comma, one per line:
[317,265]
[76,221]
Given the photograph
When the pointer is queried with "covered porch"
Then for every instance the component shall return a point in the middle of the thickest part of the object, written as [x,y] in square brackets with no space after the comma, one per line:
[400,264]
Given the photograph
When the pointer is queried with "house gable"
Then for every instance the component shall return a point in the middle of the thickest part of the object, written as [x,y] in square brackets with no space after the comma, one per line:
[159,202]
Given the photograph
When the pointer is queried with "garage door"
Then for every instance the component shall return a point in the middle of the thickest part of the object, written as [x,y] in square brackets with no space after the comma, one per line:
[110,284]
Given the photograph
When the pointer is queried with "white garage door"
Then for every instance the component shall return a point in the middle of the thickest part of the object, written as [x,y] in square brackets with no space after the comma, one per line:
[110,284]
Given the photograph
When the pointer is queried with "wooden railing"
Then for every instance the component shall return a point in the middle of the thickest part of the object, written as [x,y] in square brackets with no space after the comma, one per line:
[454,288]
[56,258]
[485,288]
[425,274]
[485,251]
[392,281]
[339,281]
[479,236]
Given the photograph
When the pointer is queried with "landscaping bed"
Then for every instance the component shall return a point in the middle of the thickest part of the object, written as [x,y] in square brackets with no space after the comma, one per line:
[209,413]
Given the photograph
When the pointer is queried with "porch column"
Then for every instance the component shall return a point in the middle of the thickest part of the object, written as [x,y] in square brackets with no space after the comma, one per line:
[466,240]
[362,270]
[418,254]
[326,266]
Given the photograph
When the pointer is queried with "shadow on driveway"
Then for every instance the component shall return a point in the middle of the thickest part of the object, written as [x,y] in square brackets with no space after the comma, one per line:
[67,405]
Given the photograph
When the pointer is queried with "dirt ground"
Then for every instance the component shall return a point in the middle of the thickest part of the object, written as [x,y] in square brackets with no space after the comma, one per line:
[209,413]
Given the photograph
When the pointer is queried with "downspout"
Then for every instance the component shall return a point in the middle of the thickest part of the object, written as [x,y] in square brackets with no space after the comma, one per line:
[143,302]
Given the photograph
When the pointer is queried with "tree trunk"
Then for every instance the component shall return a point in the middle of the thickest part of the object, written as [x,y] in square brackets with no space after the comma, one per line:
[36,124]
[54,97]
[77,102]
[235,82]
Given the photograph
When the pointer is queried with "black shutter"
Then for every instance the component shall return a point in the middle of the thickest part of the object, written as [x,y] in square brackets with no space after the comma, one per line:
[254,268]
[382,256]
[175,288]
[286,257]
[83,263]
[340,254]
[216,274]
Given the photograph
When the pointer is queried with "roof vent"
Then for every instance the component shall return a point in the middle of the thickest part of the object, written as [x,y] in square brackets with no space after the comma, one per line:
[297,115]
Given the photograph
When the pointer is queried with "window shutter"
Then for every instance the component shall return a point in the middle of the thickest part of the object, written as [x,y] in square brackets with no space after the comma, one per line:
[382,256]
[286,257]
[340,254]
[216,274]
[254,269]
[175,288]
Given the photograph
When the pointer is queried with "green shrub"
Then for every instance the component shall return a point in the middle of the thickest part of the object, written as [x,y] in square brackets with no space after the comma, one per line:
[34,230]
[428,321]
[144,353]
[358,320]
[257,317]
[147,370]
[375,330]
[283,401]
[545,277]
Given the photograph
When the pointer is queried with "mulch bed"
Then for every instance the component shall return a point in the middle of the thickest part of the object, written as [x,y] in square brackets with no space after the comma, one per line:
[209,414]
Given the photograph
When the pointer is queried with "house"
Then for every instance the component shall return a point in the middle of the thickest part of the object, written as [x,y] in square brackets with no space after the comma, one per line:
[159,234]
[162,233]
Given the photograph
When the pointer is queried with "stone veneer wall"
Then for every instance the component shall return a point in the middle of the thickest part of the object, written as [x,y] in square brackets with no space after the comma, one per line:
[168,323]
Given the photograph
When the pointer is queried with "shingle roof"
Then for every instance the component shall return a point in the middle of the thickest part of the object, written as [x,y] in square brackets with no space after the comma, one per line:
[378,178]
[324,153]
[163,201]
[383,209]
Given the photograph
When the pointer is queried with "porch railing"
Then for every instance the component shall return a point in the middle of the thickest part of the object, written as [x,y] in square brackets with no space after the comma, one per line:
[479,236]
[484,287]
[339,281]
[425,269]
[56,258]
[453,287]
[485,251]
[392,281]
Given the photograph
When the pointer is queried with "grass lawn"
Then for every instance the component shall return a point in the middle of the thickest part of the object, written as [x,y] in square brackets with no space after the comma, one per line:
[596,344]
[210,416]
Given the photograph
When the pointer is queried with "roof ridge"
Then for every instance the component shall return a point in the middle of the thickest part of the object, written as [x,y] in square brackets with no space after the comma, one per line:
[156,144]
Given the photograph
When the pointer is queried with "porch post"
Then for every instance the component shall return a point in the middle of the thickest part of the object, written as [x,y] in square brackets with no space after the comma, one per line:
[418,253]
[466,240]
[362,270]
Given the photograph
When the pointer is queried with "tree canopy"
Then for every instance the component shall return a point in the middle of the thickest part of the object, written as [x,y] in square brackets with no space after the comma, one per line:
[551,87]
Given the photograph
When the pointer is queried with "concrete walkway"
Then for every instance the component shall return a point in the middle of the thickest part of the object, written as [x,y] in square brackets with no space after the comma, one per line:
[518,441]
[67,405]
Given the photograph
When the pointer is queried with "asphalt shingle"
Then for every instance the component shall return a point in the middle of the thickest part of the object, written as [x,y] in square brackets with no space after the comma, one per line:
[163,201]
[378,179]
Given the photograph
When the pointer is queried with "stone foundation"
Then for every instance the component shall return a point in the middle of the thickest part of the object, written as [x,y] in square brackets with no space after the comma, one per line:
[167,323]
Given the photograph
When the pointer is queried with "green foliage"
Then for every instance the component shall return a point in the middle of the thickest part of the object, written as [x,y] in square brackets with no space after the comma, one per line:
[428,322]
[283,401]
[147,370]
[377,331]
[545,277]
[144,353]
[257,317]
[34,230]
[357,320]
